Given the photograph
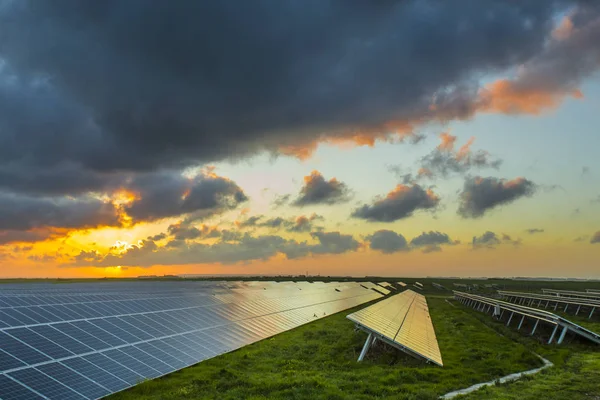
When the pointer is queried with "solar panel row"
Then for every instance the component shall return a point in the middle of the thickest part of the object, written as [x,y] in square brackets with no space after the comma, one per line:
[403,321]
[501,309]
[54,348]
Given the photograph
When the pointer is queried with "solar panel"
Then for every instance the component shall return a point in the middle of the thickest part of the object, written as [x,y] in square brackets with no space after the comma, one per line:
[85,341]
[500,309]
[402,321]
[401,284]
[572,293]
[571,304]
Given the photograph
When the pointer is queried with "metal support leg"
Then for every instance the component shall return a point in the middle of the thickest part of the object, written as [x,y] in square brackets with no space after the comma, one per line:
[501,313]
[591,312]
[548,302]
[562,335]
[365,348]
[510,318]
[521,323]
[578,308]
[555,306]
[553,333]
[537,321]
[566,306]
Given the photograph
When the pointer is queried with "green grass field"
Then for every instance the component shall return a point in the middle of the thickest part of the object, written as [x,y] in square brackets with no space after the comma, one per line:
[318,361]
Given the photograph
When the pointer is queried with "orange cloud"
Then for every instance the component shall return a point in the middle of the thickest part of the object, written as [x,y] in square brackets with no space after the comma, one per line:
[389,132]
[564,29]
[448,141]
[509,97]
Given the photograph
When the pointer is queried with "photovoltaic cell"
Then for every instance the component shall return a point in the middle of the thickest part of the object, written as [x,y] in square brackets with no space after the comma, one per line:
[12,390]
[96,374]
[45,385]
[72,379]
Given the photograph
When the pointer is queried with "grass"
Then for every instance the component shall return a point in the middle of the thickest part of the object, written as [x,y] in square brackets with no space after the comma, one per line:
[577,379]
[318,361]
[575,374]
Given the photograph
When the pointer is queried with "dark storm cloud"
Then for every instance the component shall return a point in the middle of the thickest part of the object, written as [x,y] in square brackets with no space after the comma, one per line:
[333,243]
[399,203]
[137,85]
[445,160]
[229,250]
[490,240]
[98,95]
[533,231]
[22,213]
[595,238]
[318,190]
[431,238]
[487,240]
[12,236]
[482,194]
[301,223]
[432,241]
[387,241]
[168,195]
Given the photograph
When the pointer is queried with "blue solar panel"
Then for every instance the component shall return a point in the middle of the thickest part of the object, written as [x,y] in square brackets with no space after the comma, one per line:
[45,385]
[90,340]
[72,379]
[38,342]
[108,364]
[96,374]
[20,350]
[11,390]
[9,362]
[58,337]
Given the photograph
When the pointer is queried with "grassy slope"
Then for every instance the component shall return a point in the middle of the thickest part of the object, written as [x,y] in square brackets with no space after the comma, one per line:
[318,361]
[578,378]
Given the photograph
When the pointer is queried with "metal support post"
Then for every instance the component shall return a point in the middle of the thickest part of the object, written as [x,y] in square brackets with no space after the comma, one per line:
[578,308]
[510,318]
[521,323]
[365,348]
[562,334]
[537,321]
[553,333]
[548,302]
[566,306]
[591,312]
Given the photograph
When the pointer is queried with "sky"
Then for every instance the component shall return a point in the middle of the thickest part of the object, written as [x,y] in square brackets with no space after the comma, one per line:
[394,138]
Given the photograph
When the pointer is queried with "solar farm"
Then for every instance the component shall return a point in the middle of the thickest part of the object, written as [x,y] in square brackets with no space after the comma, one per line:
[181,339]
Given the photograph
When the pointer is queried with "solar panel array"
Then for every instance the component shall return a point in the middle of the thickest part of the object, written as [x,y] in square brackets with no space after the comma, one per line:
[373,286]
[524,313]
[402,321]
[571,304]
[85,341]
[572,293]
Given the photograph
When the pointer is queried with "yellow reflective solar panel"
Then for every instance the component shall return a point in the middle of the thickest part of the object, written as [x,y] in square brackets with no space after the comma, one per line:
[404,321]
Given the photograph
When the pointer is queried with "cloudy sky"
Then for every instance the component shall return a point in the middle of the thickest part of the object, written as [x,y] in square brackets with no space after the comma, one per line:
[403,138]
